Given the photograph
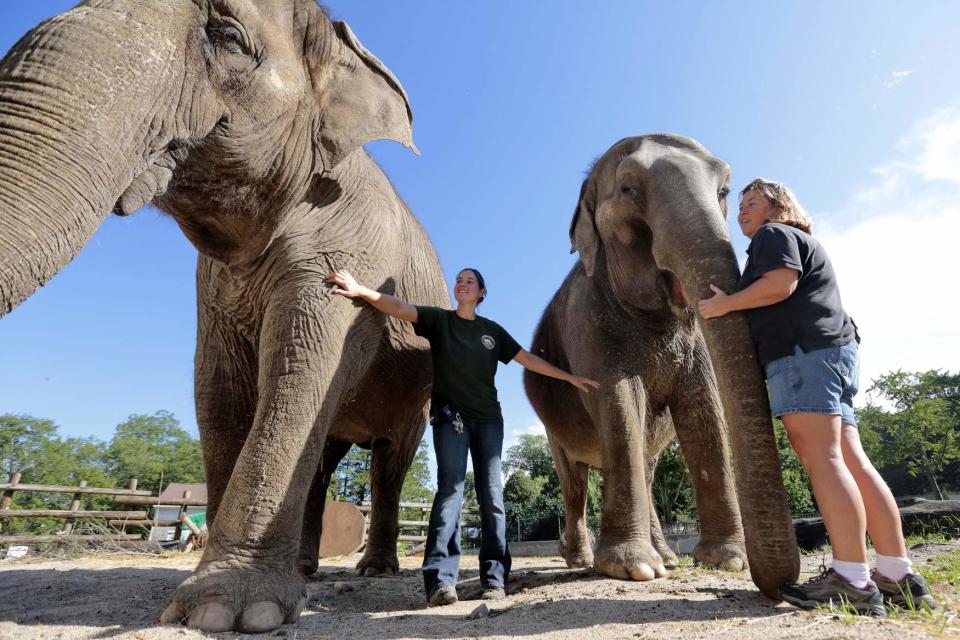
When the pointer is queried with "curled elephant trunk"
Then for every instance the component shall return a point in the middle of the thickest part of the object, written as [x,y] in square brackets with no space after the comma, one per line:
[771,545]
[88,101]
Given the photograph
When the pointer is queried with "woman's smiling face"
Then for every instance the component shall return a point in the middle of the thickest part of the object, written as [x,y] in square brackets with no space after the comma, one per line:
[467,289]
[755,211]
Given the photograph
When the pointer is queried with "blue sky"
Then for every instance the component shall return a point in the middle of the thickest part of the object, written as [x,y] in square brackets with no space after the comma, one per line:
[855,105]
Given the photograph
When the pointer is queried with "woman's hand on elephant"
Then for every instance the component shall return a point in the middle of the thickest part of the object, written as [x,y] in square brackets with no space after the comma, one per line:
[716,306]
[583,384]
[346,285]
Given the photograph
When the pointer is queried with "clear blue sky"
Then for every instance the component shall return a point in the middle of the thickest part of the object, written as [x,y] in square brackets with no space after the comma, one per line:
[854,104]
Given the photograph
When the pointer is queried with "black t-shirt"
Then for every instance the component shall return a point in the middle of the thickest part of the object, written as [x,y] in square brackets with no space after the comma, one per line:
[813,316]
[465,355]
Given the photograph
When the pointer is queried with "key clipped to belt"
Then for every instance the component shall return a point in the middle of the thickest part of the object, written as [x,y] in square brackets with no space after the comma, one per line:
[449,414]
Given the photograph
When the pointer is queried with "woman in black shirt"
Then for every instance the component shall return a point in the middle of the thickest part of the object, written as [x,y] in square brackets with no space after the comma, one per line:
[465,414]
[808,347]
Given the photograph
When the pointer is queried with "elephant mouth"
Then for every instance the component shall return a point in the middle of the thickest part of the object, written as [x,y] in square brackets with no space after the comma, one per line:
[677,296]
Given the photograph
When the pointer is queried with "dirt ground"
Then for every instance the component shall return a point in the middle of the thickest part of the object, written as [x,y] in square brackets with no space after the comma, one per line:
[121,597]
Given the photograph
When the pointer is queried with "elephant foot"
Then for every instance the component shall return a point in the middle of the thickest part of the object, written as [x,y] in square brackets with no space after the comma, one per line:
[578,552]
[670,559]
[308,559]
[724,553]
[226,595]
[378,563]
[635,560]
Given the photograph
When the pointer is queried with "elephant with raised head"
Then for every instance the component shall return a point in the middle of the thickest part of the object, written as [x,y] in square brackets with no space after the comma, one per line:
[244,120]
[651,231]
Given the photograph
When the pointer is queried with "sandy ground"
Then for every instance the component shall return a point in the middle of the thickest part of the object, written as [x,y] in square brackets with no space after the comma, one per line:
[121,597]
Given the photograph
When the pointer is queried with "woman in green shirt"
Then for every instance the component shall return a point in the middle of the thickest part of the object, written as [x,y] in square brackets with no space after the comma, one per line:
[466,418]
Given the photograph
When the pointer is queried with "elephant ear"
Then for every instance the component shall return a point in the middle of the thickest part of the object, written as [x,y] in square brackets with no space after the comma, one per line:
[583,229]
[360,101]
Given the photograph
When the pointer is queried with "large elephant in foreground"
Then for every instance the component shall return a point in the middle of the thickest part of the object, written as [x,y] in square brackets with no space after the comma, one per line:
[244,121]
[651,231]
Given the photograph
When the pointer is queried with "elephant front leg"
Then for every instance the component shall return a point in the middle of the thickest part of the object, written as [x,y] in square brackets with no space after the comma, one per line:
[309,557]
[576,544]
[624,549]
[698,420]
[248,578]
[388,467]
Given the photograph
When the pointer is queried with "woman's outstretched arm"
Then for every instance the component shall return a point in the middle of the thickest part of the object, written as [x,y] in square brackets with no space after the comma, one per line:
[541,366]
[388,304]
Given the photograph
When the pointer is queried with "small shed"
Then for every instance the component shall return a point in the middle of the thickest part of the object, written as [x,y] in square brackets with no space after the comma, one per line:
[170,512]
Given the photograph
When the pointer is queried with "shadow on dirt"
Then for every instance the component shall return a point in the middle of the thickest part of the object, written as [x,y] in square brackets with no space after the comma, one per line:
[114,601]
[118,601]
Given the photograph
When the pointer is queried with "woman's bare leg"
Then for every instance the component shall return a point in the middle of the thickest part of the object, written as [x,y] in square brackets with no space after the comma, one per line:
[883,517]
[816,439]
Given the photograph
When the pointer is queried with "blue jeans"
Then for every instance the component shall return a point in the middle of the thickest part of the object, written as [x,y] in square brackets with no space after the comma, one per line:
[820,381]
[441,558]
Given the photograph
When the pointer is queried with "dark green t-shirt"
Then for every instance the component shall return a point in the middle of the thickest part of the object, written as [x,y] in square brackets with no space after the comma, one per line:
[465,354]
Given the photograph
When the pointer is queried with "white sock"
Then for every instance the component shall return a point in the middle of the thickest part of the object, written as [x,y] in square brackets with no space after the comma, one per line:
[856,573]
[894,568]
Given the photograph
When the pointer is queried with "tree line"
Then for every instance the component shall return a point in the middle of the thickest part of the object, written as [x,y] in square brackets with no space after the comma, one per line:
[910,428]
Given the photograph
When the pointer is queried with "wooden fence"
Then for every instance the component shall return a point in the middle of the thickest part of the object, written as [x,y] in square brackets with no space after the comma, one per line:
[69,516]
[422,523]
[133,498]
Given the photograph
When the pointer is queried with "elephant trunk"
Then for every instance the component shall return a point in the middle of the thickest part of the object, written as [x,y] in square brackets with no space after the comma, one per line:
[771,545]
[85,99]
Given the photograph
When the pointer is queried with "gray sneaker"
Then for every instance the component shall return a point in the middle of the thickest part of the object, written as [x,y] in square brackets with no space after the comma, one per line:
[911,591]
[443,594]
[830,588]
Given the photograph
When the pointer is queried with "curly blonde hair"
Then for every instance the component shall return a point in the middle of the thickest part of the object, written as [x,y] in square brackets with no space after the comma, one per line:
[788,210]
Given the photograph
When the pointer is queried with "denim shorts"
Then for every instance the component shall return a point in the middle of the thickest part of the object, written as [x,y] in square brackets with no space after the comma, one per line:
[821,381]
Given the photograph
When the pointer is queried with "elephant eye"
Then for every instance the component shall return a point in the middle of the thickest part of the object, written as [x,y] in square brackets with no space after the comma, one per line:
[227,38]
[723,193]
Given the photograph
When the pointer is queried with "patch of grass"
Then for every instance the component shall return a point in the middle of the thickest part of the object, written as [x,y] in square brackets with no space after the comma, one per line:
[943,570]
[843,612]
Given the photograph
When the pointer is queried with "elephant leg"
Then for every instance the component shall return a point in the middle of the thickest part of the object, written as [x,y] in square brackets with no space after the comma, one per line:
[660,433]
[657,539]
[248,578]
[624,550]
[225,389]
[309,558]
[388,467]
[576,545]
[698,419]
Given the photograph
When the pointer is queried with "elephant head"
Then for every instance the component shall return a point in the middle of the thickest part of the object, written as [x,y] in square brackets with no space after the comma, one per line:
[223,112]
[652,220]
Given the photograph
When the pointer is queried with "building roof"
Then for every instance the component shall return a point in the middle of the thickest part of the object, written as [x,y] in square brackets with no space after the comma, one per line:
[175,490]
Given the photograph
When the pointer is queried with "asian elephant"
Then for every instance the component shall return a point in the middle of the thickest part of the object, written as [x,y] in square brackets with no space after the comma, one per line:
[650,228]
[243,120]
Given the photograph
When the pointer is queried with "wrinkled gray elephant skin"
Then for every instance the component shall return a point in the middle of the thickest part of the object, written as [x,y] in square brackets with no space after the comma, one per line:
[244,121]
[651,232]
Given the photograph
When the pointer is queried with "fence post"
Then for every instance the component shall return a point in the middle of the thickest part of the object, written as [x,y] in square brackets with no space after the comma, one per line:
[74,506]
[8,495]
[132,486]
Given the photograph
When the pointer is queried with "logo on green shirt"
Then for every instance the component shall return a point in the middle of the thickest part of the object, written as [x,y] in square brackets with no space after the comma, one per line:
[488,342]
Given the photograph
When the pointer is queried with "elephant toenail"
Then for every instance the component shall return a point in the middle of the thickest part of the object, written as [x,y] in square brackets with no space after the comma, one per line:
[213,617]
[260,617]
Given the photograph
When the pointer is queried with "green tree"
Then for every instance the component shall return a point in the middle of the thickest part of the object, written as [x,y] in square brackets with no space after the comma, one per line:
[922,432]
[417,486]
[351,480]
[671,489]
[520,493]
[150,447]
[22,441]
[33,447]
[532,455]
